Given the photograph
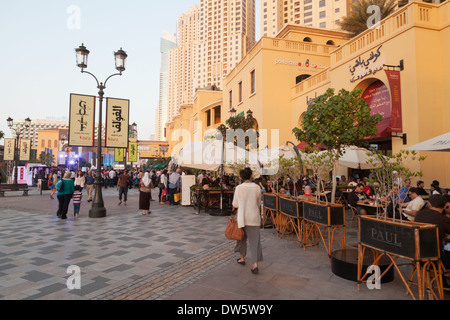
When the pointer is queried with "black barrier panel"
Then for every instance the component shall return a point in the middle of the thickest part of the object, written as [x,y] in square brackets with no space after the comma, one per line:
[315,213]
[398,239]
[288,207]
[428,243]
[337,216]
[270,202]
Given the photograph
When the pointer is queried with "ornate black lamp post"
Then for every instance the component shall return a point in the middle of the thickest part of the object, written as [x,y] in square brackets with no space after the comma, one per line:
[98,209]
[18,130]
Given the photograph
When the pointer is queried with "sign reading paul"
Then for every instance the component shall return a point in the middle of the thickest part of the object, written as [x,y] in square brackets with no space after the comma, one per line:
[117,118]
[82,120]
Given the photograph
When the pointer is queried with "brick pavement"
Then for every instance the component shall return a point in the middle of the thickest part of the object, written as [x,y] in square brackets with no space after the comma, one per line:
[173,254]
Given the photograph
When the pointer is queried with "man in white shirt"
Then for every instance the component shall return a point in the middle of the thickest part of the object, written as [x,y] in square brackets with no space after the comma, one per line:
[414,206]
[200,177]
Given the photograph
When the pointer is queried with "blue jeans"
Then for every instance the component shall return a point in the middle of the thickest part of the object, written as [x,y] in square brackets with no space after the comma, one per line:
[172,191]
[76,208]
[123,191]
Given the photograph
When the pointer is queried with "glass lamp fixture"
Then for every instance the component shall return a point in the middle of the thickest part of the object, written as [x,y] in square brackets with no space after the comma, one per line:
[120,57]
[82,56]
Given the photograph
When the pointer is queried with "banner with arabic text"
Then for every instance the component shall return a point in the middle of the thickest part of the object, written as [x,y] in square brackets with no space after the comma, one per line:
[10,148]
[118,154]
[25,150]
[132,152]
[117,118]
[81,120]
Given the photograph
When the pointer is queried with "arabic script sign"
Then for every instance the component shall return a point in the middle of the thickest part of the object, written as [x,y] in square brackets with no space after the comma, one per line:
[117,116]
[365,67]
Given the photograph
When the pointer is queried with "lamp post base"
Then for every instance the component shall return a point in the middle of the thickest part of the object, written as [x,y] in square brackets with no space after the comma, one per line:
[97,212]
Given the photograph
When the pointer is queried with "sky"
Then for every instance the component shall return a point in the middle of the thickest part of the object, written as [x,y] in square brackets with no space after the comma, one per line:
[38,41]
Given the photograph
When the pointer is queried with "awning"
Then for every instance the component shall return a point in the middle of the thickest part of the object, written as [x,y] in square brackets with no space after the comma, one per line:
[441,143]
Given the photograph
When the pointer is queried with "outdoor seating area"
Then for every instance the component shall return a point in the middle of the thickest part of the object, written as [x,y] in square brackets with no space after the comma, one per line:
[383,242]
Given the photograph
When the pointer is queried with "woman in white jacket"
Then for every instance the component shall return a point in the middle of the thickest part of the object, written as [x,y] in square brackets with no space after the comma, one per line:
[247,199]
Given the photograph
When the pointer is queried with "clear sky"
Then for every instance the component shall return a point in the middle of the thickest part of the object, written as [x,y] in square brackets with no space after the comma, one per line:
[37,42]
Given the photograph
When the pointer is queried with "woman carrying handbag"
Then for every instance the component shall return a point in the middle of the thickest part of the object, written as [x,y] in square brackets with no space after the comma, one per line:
[247,200]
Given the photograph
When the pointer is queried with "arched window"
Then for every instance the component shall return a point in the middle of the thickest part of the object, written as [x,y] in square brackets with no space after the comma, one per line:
[49,144]
[55,144]
[43,143]
[330,42]
[307,39]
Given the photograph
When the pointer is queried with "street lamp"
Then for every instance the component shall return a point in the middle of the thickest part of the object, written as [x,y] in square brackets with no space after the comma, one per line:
[98,209]
[18,132]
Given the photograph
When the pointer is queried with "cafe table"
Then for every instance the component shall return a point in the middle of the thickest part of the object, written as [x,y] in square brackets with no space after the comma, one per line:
[372,208]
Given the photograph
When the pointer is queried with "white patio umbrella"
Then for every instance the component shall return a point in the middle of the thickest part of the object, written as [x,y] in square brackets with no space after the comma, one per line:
[356,158]
[207,155]
[441,143]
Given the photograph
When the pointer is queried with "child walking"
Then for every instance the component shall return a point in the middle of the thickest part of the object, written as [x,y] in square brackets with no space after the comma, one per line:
[77,195]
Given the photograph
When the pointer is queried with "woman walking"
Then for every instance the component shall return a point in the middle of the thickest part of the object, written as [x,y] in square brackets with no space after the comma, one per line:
[145,191]
[247,199]
[162,186]
[65,193]
[80,180]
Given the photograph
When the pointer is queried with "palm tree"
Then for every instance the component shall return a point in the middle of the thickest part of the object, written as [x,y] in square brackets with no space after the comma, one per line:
[356,21]
[1,135]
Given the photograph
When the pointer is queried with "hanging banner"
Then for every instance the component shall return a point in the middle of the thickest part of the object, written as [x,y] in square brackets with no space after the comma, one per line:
[117,116]
[396,98]
[10,148]
[81,120]
[118,155]
[132,152]
[25,150]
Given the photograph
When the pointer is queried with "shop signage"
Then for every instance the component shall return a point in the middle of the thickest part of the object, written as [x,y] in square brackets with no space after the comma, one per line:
[363,68]
[394,79]
[81,120]
[306,64]
[117,124]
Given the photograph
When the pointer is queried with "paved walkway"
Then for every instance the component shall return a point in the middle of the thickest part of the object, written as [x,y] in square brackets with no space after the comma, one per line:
[173,254]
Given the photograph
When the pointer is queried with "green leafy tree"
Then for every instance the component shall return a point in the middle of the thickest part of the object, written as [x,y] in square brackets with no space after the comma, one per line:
[1,135]
[356,22]
[336,122]
[47,159]
[383,179]
[246,124]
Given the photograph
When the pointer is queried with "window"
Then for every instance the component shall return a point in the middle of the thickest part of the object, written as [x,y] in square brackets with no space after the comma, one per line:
[231,98]
[252,82]
[217,115]
[240,92]
[208,118]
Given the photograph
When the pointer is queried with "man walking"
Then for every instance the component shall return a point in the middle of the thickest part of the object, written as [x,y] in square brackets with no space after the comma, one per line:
[89,185]
[174,185]
[122,186]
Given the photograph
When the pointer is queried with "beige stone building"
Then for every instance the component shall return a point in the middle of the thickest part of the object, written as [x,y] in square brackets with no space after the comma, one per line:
[275,14]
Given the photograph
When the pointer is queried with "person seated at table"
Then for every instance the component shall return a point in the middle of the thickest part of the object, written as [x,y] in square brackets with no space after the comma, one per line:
[356,198]
[420,188]
[308,191]
[435,189]
[284,192]
[411,208]
[269,188]
[435,215]
[394,200]
[343,180]
[405,191]
[352,182]
[367,189]
[447,206]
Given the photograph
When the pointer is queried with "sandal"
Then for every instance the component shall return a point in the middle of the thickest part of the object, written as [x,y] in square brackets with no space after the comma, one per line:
[242,263]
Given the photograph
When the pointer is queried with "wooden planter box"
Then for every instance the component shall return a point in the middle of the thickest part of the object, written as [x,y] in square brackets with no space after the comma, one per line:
[270,210]
[291,215]
[417,242]
[320,219]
